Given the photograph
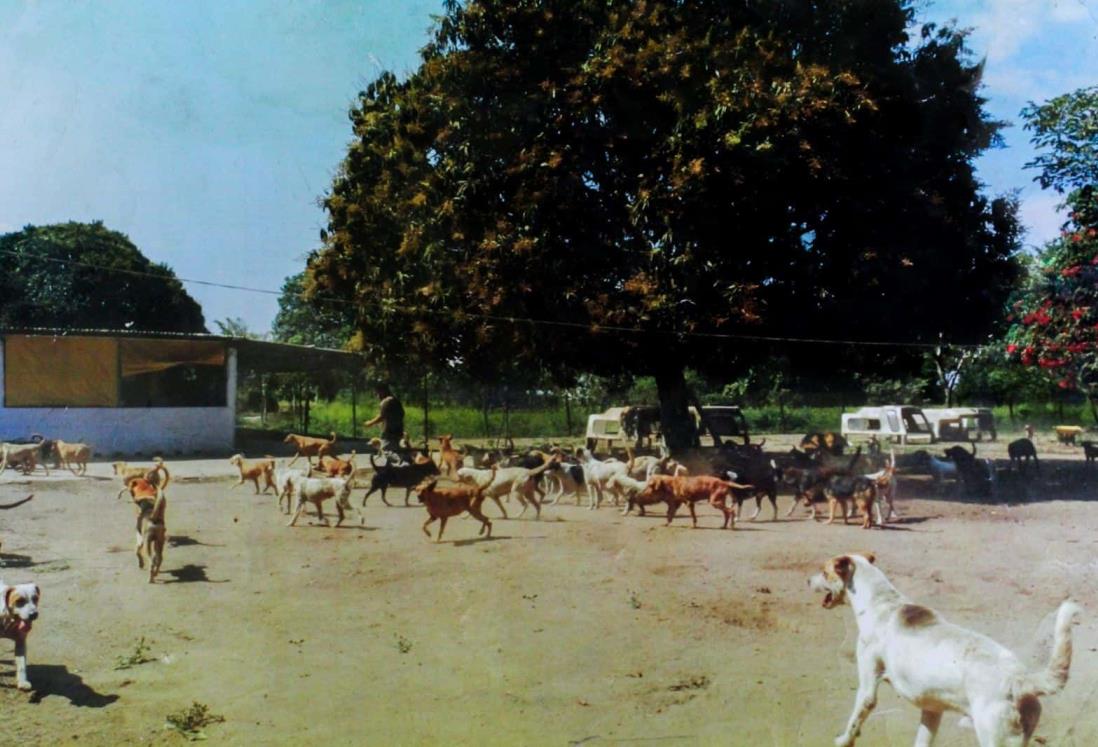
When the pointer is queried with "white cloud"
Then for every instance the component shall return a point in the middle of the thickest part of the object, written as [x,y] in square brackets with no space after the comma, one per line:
[1005,25]
[1040,215]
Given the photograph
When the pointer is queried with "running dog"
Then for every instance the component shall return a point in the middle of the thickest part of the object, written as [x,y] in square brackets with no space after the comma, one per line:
[333,466]
[309,447]
[18,611]
[442,503]
[405,476]
[254,471]
[675,491]
[936,665]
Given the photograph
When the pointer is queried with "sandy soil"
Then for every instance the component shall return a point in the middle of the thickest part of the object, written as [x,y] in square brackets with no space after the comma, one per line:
[585,627]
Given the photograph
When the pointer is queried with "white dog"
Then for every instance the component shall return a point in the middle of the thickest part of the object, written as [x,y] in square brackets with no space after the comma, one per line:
[596,473]
[936,665]
[316,490]
[284,483]
[517,481]
[18,611]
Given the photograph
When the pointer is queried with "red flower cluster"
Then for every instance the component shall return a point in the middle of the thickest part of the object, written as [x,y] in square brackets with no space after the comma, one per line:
[1070,272]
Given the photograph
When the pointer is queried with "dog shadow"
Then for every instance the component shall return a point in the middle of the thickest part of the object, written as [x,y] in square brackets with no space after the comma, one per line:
[480,540]
[55,679]
[183,540]
[191,574]
[12,560]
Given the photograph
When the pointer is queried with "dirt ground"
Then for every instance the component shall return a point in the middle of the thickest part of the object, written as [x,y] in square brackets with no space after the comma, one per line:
[585,627]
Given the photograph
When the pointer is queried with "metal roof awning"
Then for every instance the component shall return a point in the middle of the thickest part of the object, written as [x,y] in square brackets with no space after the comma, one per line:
[254,355]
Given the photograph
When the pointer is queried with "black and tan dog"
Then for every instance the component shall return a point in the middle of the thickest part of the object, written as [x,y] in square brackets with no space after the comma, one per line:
[405,476]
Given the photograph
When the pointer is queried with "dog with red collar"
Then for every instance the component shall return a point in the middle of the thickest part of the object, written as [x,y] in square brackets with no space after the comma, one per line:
[18,611]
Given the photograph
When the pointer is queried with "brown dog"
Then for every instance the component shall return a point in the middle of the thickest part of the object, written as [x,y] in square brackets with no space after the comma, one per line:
[676,490]
[152,530]
[157,474]
[309,447]
[442,503]
[335,467]
[69,454]
[262,469]
[450,459]
[26,456]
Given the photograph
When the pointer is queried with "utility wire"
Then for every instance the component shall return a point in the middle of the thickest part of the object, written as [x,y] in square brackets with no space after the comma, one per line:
[589,327]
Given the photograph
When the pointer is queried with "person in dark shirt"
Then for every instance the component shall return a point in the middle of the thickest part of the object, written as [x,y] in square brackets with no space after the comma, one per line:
[390,416]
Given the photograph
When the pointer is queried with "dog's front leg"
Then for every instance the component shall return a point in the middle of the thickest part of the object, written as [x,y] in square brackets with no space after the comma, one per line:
[21,680]
[869,680]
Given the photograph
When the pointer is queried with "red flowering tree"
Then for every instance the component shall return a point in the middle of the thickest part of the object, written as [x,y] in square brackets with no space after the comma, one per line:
[1056,319]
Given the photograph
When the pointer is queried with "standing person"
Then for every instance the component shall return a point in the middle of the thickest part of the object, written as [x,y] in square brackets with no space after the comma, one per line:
[390,414]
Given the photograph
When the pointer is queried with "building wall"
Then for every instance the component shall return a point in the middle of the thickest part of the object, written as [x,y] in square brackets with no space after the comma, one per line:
[130,430]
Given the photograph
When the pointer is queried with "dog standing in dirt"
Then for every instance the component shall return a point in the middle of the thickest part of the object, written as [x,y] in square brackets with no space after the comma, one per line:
[152,528]
[936,665]
[18,611]
[1022,451]
[316,490]
[156,475]
[26,456]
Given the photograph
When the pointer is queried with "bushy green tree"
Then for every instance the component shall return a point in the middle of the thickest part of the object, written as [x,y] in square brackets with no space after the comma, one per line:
[84,275]
[710,167]
[1056,320]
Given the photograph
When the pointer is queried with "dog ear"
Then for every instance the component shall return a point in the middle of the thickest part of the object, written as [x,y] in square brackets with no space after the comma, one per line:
[37,594]
[844,567]
[870,556]
[5,597]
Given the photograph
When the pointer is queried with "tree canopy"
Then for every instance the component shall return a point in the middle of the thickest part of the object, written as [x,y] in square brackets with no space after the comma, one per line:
[84,275]
[680,171]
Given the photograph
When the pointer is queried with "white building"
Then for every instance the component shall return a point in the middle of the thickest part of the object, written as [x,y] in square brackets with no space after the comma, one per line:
[136,393]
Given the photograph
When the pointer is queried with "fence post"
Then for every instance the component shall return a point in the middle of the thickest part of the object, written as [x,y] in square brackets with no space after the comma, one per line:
[426,411]
[354,406]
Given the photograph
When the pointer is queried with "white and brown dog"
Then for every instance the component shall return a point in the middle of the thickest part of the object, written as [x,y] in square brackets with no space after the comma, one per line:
[936,665]
[18,611]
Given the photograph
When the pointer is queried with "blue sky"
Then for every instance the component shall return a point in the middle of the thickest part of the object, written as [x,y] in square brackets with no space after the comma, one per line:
[206,131]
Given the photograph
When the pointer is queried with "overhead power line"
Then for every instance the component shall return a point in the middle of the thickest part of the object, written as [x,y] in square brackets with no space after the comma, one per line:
[593,328]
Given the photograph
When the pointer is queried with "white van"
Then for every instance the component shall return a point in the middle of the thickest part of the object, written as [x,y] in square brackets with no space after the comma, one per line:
[900,423]
[961,423]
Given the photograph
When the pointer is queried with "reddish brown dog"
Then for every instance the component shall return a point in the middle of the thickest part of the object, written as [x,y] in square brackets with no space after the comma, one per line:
[442,503]
[676,490]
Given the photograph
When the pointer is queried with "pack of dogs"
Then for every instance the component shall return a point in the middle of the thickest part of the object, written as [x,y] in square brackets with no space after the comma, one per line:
[930,662]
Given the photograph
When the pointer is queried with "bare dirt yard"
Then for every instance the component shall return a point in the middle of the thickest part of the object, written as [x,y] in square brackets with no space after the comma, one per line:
[585,627]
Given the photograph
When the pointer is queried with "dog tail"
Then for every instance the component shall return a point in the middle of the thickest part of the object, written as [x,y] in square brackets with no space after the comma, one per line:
[161,468]
[1055,675]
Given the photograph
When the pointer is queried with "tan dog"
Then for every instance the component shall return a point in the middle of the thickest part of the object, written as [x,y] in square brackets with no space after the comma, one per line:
[450,459]
[69,454]
[442,503]
[333,466]
[157,474]
[262,469]
[309,447]
[26,456]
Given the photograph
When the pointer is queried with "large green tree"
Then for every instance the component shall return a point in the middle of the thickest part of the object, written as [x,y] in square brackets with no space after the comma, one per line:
[1056,319]
[83,275]
[681,169]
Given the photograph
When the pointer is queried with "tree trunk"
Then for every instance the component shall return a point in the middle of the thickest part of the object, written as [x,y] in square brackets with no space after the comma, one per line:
[676,425]
[484,412]
[426,416]
[568,414]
